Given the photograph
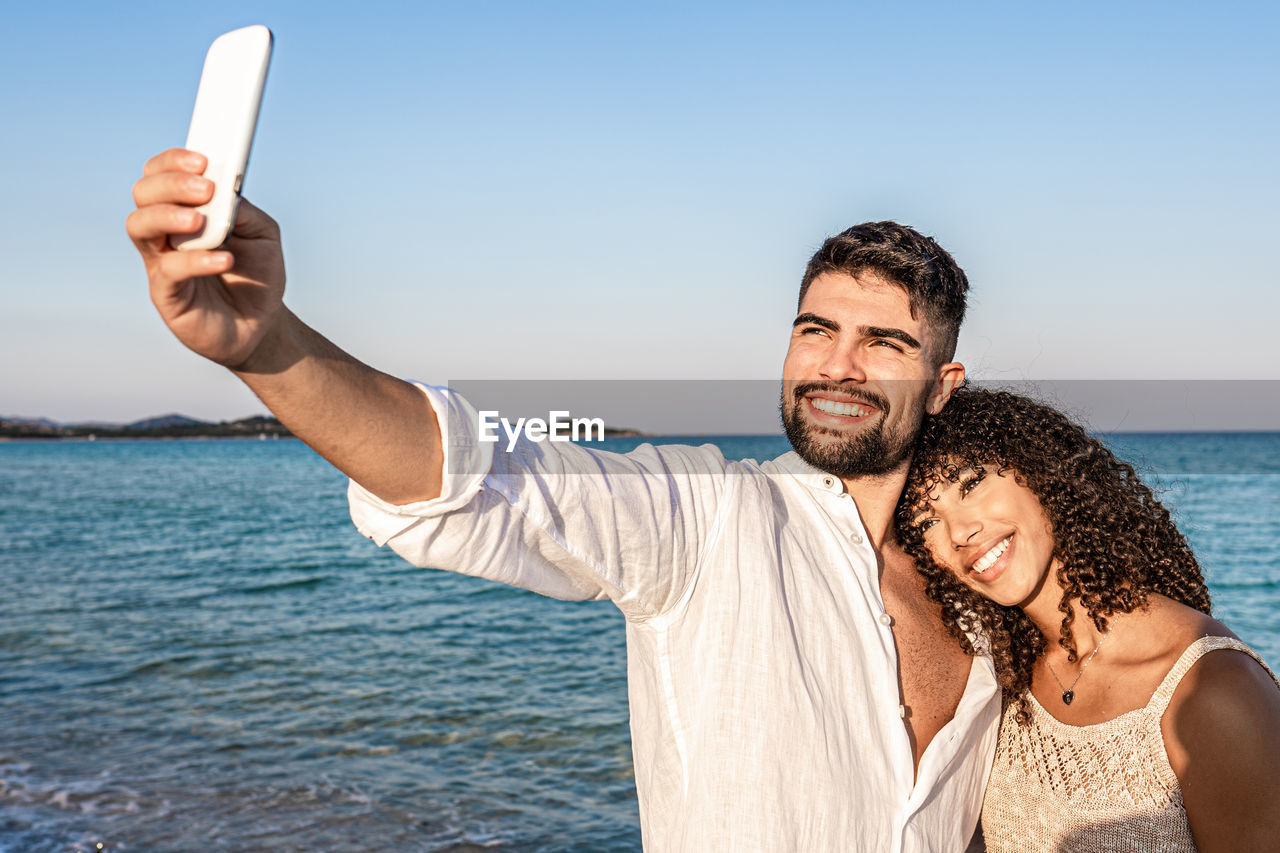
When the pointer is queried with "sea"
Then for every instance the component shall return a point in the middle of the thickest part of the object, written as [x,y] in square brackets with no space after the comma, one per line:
[198,653]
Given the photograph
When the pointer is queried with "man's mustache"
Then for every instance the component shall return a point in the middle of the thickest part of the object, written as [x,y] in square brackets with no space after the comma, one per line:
[862,395]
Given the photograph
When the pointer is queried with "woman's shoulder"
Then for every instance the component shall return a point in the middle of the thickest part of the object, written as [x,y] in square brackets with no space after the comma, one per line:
[1218,692]
[1223,688]
[1152,639]
[1160,631]
[1222,738]
[1176,618]
[1182,639]
[1219,718]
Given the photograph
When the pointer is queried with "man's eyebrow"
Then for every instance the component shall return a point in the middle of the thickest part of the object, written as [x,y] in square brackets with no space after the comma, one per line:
[813,319]
[894,334]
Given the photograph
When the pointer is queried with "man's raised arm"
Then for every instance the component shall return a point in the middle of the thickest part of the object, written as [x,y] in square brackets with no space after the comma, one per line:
[227,305]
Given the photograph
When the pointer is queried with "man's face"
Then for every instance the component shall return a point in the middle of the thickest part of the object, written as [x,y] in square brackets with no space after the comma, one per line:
[859,376]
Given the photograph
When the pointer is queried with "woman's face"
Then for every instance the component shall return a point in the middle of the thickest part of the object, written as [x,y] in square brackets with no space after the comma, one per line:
[991,532]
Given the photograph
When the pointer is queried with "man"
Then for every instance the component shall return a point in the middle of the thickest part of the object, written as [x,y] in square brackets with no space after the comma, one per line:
[790,686]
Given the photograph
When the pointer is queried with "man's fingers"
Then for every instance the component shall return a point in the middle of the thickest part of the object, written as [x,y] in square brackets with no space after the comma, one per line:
[158,221]
[173,267]
[175,160]
[172,188]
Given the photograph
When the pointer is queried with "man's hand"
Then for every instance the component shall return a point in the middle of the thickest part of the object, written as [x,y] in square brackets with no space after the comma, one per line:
[221,303]
[227,305]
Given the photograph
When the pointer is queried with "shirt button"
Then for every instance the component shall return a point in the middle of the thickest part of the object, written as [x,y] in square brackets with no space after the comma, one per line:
[855,537]
[886,619]
[828,481]
[902,711]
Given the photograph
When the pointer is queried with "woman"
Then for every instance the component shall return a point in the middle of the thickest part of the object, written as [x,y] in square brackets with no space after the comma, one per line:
[1121,730]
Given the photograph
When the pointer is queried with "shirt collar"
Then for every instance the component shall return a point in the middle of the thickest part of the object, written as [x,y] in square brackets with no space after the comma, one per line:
[812,477]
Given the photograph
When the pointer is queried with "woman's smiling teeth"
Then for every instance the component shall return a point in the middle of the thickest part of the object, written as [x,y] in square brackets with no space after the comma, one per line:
[989,559]
[831,407]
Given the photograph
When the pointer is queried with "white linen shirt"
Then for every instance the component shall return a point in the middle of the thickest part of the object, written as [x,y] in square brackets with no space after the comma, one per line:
[761,665]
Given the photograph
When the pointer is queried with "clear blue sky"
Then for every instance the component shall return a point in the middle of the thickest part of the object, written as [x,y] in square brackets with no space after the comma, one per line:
[611,190]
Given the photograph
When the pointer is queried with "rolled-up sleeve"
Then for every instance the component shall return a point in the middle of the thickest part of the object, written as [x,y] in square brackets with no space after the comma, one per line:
[558,518]
[466,461]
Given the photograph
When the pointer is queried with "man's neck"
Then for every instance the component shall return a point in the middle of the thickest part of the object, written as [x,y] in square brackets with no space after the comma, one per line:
[876,497]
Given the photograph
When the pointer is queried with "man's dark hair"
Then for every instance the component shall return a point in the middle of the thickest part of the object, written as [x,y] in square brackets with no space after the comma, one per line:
[934,283]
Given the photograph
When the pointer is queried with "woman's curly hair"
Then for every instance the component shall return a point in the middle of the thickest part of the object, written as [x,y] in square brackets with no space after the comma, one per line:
[1115,541]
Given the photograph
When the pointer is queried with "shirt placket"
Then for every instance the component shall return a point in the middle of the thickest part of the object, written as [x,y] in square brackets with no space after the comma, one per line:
[891,714]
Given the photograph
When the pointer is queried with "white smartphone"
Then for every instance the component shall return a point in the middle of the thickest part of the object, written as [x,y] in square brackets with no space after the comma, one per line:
[222,126]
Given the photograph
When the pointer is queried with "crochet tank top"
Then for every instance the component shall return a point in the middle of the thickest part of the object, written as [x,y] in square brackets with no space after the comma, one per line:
[1101,787]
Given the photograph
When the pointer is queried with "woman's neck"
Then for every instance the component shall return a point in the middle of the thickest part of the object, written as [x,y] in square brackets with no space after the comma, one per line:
[1043,609]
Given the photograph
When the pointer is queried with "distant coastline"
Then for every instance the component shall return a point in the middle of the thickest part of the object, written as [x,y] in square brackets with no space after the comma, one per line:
[176,426]
[264,427]
[164,426]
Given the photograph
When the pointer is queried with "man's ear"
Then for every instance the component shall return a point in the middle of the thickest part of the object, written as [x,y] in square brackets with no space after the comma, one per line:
[950,377]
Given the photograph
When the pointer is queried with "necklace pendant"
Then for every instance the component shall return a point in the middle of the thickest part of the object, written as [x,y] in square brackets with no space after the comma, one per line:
[1068,697]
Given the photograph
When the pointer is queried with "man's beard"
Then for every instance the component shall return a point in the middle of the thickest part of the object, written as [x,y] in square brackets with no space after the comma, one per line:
[873,450]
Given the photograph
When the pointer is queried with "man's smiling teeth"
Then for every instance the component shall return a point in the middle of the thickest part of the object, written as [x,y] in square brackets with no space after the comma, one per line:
[988,559]
[831,407]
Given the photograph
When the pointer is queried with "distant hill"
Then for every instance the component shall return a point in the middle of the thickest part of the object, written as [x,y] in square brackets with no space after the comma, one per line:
[164,422]
[33,423]
[160,426]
